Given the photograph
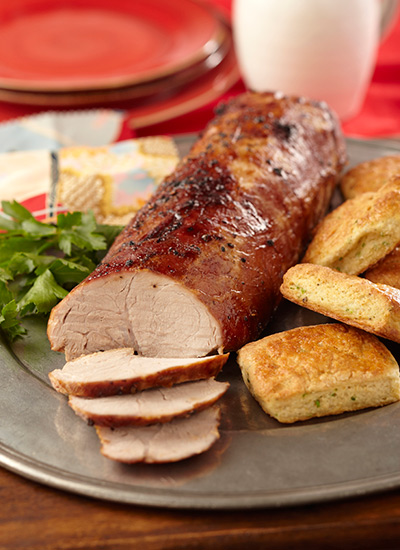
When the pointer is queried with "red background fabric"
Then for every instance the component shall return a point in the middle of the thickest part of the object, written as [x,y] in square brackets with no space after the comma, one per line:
[379,116]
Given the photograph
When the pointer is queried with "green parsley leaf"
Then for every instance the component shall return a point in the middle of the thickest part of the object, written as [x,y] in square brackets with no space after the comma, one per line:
[110,232]
[5,294]
[79,229]
[16,211]
[44,293]
[5,275]
[65,271]
[21,263]
[8,246]
[34,228]
[7,223]
[41,262]
[9,321]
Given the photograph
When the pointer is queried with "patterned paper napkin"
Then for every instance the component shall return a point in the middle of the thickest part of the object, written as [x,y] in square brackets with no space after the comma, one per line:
[60,161]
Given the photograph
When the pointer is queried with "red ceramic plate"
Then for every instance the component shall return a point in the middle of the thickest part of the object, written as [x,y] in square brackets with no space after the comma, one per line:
[137,92]
[47,45]
[202,91]
[174,99]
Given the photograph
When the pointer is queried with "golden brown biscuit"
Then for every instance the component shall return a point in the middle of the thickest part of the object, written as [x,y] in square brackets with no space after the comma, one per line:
[319,370]
[347,298]
[387,270]
[369,176]
[358,233]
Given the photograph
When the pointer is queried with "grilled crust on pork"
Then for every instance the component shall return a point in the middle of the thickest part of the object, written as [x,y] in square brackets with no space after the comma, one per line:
[236,213]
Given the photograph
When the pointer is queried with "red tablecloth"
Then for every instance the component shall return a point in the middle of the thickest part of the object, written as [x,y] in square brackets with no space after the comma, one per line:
[379,117]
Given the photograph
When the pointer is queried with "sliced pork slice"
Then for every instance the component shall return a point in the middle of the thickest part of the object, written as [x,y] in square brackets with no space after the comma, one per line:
[170,442]
[119,371]
[153,406]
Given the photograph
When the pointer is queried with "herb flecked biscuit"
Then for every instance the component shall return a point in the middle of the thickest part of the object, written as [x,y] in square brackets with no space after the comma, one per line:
[358,233]
[319,370]
[353,300]
[369,176]
[387,270]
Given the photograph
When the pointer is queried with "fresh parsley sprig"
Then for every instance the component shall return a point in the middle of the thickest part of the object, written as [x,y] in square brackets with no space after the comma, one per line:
[41,262]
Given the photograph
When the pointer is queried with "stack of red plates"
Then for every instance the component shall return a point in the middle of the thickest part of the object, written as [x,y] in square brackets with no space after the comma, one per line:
[161,58]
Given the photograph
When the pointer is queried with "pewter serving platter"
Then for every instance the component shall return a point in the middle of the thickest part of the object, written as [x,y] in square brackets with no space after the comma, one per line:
[256,463]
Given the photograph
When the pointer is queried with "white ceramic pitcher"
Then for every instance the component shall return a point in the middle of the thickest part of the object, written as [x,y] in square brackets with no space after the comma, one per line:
[322,49]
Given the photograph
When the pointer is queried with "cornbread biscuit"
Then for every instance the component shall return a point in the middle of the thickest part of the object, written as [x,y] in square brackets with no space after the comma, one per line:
[387,270]
[358,233]
[347,298]
[319,370]
[369,176]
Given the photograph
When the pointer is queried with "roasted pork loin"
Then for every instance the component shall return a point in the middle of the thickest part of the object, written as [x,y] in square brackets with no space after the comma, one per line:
[198,269]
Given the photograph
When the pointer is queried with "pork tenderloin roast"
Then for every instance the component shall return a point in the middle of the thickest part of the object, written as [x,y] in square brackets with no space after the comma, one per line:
[198,269]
